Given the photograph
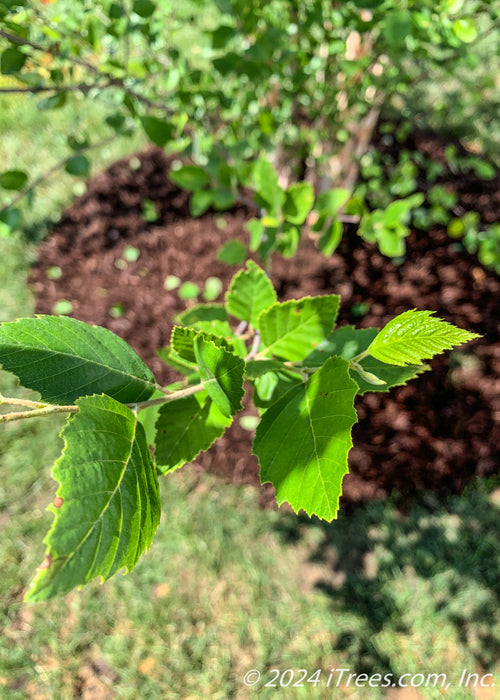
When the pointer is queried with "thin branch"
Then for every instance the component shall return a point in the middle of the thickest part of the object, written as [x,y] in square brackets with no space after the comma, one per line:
[48,173]
[113,81]
[47,411]
[83,87]
[39,408]
[255,347]
[173,396]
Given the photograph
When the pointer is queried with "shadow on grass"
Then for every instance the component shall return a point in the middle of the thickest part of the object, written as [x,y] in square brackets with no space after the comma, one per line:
[433,569]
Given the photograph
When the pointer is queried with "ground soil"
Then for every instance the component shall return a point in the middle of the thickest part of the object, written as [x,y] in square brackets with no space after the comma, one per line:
[438,433]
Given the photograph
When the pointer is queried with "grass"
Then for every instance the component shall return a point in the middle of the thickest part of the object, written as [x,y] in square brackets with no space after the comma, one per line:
[227,587]
[36,150]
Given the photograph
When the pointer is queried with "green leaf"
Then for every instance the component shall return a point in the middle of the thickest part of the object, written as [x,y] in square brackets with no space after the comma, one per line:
[250,292]
[172,359]
[347,342]
[200,202]
[63,359]
[465,29]
[331,201]
[222,35]
[182,342]
[256,368]
[397,25]
[157,130]
[190,177]
[11,61]
[107,507]
[331,238]
[391,243]
[256,229]
[13,179]
[144,8]
[303,440]
[202,312]
[265,385]
[221,373]
[267,185]
[293,328]
[398,211]
[232,253]
[223,330]
[414,336]
[185,428]
[298,202]
[55,101]
[78,165]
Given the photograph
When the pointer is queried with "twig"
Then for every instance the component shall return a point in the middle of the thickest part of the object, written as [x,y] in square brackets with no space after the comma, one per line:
[47,174]
[255,347]
[39,408]
[83,87]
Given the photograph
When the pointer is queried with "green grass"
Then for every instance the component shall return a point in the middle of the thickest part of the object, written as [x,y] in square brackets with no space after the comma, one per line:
[34,141]
[227,587]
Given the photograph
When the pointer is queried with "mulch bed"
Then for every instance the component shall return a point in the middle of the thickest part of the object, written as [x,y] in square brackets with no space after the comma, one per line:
[437,433]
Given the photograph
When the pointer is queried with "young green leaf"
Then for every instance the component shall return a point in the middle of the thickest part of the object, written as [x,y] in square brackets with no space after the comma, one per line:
[233,252]
[63,359]
[293,328]
[347,342]
[185,428]
[303,440]
[202,312]
[256,368]
[329,241]
[182,340]
[172,359]
[298,202]
[158,130]
[78,166]
[249,293]
[107,507]
[267,186]
[190,177]
[221,373]
[414,336]
[12,60]
[13,179]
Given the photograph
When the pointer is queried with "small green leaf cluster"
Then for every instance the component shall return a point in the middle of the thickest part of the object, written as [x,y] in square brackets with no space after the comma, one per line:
[300,370]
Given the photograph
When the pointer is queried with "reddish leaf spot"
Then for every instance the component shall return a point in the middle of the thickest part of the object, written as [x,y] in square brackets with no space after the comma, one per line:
[58,501]
[46,562]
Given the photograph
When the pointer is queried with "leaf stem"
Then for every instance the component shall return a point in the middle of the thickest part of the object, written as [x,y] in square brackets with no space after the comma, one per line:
[255,347]
[47,410]
[359,357]
[39,408]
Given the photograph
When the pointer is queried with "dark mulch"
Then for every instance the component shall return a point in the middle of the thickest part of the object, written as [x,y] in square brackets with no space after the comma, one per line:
[437,433]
